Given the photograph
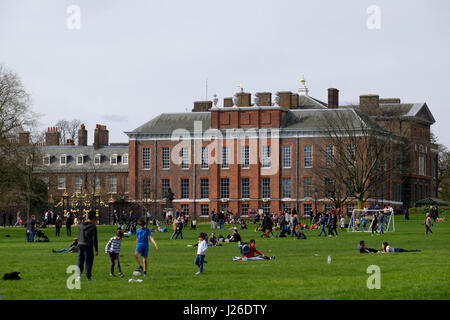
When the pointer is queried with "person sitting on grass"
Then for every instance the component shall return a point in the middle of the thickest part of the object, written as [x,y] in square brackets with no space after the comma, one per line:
[242,223]
[72,248]
[386,248]
[252,251]
[362,248]
[235,237]
[213,241]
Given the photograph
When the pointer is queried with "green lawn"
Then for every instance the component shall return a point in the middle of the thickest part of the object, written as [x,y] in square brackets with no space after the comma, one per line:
[300,270]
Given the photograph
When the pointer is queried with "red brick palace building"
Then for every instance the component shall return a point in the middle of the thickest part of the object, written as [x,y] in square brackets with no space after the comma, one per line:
[214,158]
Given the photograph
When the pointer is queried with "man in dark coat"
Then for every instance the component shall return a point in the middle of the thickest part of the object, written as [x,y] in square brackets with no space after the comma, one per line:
[87,243]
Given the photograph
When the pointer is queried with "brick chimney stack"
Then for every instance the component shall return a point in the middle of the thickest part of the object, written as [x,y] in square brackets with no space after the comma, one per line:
[202,106]
[24,137]
[285,99]
[265,98]
[227,102]
[244,99]
[369,104]
[333,98]
[52,136]
[101,136]
[82,136]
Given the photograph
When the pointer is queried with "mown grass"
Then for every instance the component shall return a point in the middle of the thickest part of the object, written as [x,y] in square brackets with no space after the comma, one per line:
[300,270]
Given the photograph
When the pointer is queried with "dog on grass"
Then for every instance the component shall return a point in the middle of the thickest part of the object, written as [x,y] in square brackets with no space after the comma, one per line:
[11,276]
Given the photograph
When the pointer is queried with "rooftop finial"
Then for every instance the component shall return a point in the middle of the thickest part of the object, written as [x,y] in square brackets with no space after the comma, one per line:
[303,90]
[240,85]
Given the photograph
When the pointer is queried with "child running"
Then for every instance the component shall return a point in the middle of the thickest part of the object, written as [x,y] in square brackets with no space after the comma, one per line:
[142,235]
[113,249]
[201,252]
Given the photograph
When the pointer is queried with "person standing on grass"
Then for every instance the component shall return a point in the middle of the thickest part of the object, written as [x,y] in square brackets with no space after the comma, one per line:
[10,219]
[428,224]
[112,248]
[323,222]
[87,243]
[374,223]
[201,252]
[381,221]
[332,225]
[31,228]
[142,236]
[18,221]
[69,222]
[58,225]
[213,220]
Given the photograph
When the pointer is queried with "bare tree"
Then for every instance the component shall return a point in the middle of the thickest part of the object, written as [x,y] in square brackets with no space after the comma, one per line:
[364,154]
[16,155]
[68,130]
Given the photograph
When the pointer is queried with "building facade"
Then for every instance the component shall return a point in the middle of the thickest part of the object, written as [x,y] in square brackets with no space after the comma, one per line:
[263,154]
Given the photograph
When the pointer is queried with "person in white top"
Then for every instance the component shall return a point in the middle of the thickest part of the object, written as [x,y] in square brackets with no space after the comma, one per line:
[385,248]
[201,252]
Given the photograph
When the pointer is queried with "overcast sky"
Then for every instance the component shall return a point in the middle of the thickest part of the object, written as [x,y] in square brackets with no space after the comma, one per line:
[133,59]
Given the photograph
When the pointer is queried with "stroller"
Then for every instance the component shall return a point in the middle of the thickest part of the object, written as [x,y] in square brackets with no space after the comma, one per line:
[41,237]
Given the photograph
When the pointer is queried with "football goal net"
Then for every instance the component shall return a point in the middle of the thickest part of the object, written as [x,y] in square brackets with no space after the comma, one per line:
[363,220]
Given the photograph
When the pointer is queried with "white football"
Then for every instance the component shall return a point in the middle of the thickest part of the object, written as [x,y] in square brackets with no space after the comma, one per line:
[136,273]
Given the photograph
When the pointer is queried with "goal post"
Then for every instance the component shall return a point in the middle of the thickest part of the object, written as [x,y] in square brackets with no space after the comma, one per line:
[362,220]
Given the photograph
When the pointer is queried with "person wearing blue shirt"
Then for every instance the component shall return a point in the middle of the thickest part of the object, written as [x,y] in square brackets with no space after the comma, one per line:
[142,235]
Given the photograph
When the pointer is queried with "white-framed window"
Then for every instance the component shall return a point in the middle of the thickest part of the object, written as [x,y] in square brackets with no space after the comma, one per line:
[245,157]
[205,158]
[165,158]
[307,187]
[113,159]
[63,160]
[125,159]
[126,185]
[97,159]
[265,157]
[329,155]
[78,184]
[328,207]
[80,159]
[165,185]
[265,187]
[224,188]
[185,158]
[204,209]
[266,207]
[422,164]
[286,187]
[97,184]
[204,188]
[307,209]
[351,152]
[225,158]
[244,209]
[307,156]
[286,156]
[245,188]
[184,188]
[46,160]
[61,183]
[146,158]
[112,183]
